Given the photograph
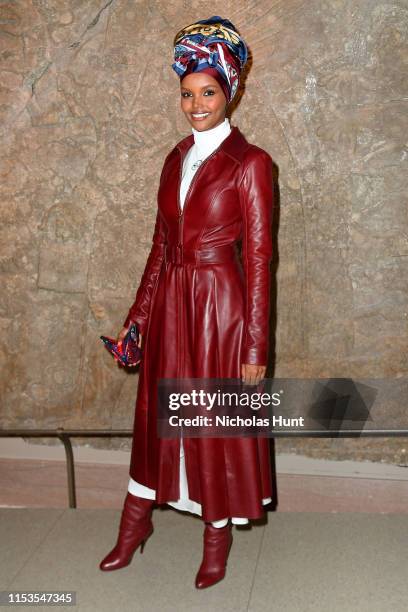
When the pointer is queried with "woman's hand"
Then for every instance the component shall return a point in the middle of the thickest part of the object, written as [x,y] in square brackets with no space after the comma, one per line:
[122,334]
[124,331]
[121,337]
[252,374]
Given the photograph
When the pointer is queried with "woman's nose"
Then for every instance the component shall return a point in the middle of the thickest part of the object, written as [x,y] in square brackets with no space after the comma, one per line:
[196,104]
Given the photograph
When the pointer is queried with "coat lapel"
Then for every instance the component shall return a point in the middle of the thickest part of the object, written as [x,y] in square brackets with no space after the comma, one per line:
[234,145]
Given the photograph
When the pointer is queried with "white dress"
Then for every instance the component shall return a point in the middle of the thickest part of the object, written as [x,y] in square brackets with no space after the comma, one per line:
[205,143]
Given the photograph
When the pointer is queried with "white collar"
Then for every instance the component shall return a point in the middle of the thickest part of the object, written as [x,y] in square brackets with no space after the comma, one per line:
[208,140]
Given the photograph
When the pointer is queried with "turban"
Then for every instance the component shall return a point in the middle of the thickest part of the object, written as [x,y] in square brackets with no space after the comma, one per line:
[212,46]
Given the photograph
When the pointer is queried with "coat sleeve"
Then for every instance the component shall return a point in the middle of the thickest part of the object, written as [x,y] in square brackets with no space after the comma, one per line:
[140,310]
[256,196]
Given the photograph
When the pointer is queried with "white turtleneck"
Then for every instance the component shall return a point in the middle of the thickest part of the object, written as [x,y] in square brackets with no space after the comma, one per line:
[205,143]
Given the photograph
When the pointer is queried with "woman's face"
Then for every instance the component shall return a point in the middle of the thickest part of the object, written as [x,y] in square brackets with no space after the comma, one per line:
[202,101]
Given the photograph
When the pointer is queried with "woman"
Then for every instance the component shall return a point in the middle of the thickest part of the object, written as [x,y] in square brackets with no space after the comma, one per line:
[201,312]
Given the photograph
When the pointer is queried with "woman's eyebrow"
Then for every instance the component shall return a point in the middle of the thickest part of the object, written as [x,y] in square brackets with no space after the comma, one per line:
[203,87]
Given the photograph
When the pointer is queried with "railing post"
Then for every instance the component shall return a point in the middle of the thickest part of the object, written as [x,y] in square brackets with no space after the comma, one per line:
[64,437]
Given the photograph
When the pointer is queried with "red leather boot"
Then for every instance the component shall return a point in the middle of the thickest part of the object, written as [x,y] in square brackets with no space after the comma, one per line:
[217,544]
[135,527]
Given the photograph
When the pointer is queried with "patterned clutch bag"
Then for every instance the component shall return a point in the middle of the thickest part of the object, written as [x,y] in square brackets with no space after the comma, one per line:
[126,351]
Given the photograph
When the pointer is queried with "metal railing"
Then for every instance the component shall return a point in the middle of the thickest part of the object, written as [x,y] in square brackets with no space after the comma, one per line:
[65,436]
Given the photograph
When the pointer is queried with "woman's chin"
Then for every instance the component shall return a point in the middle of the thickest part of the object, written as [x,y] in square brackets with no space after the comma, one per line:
[203,124]
[200,124]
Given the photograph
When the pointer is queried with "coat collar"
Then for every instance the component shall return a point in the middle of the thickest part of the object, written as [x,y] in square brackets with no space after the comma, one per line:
[233,145]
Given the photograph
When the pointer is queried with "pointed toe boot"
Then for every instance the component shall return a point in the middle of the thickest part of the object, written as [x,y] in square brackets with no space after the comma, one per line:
[135,527]
[217,544]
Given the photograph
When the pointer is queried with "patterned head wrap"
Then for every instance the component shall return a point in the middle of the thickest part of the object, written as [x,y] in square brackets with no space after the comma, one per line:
[213,46]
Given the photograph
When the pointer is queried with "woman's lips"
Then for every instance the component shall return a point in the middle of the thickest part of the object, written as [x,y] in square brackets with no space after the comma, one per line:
[200,116]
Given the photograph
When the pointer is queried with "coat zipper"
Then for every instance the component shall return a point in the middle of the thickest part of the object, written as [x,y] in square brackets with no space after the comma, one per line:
[181,219]
[181,211]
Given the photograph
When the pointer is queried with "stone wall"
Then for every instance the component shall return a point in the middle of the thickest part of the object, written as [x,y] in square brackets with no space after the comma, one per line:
[89,109]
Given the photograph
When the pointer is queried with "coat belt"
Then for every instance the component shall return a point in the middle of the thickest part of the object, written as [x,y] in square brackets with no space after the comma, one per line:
[179,255]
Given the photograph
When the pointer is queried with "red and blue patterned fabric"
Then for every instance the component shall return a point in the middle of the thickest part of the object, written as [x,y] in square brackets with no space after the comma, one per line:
[214,46]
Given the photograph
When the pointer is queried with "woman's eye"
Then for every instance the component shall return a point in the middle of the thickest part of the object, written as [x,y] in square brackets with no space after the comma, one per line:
[186,94]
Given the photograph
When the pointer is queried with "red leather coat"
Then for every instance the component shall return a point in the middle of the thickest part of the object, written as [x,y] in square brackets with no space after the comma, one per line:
[204,312]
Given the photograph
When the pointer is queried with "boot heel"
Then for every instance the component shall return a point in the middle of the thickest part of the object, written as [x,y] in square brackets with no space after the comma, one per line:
[143,542]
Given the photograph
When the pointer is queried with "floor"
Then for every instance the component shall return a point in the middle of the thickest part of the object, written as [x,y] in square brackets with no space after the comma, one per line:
[295,561]
[337,541]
